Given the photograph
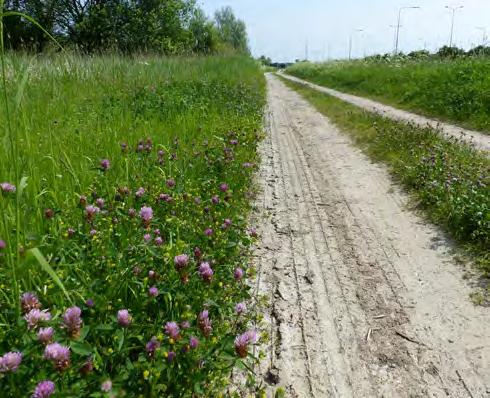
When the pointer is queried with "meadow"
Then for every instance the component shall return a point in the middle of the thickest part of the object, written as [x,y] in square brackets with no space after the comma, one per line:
[454,90]
[125,190]
[448,179]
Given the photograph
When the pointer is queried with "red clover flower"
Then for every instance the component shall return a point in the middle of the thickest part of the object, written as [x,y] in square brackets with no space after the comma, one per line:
[44,389]
[10,361]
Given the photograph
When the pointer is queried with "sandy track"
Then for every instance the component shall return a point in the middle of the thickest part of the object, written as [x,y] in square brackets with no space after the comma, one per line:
[365,300]
[479,140]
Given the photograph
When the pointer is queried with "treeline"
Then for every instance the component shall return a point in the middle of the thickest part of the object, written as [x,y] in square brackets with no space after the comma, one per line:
[126,26]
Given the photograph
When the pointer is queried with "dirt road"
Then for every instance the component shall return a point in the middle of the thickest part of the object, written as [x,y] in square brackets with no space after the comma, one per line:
[479,140]
[365,299]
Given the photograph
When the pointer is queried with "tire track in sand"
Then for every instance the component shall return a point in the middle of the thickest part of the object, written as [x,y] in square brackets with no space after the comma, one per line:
[357,288]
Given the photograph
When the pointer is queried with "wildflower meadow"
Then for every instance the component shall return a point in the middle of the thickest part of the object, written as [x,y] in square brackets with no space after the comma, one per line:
[124,197]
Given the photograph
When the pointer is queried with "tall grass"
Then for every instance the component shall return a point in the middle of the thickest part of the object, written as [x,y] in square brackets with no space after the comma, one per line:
[454,90]
[60,116]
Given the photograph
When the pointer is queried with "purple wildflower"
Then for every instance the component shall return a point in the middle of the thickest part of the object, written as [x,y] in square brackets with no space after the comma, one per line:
[208,232]
[140,192]
[227,223]
[100,202]
[29,301]
[93,232]
[215,200]
[158,241]
[34,316]
[152,274]
[152,346]
[153,291]
[157,231]
[170,183]
[124,318]
[206,327]
[91,211]
[234,142]
[185,325]
[197,252]
[45,335]
[106,386]
[82,200]
[105,164]
[161,153]
[72,320]
[238,274]
[44,389]
[3,245]
[204,314]
[87,367]
[197,200]
[7,187]
[58,354]
[252,232]
[171,356]
[90,303]
[242,341]
[247,165]
[49,213]
[132,212]
[240,308]
[146,214]
[223,187]
[147,237]
[172,330]
[193,342]
[10,361]
[181,261]
[206,272]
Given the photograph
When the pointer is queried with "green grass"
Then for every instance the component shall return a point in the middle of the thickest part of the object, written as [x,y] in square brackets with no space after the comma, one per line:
[457,91]
[449,179]
[66,113]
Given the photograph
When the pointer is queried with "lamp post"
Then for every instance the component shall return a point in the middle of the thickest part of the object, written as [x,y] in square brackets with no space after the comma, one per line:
[398,24]
[453,9]
[350,41]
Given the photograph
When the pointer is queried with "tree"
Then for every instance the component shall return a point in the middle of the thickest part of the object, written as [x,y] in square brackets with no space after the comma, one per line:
[232,31]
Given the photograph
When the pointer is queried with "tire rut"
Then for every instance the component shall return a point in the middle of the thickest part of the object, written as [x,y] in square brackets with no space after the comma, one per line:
[343,308]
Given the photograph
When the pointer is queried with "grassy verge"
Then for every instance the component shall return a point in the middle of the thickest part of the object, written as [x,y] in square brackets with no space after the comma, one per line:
[457,91]
[449,179]
[125,217]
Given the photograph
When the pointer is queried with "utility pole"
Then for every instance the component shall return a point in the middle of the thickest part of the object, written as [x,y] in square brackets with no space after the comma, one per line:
[484,34]
[350,41]
[398,24]
[453,9]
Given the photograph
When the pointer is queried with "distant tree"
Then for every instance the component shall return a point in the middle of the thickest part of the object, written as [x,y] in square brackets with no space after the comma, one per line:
[419,54]
[480,51]
[450,52]
[232,31]
[265,60]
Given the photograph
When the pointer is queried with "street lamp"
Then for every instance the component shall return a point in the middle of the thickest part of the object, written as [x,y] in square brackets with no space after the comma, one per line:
[453,9]
[350,41]
[398,24]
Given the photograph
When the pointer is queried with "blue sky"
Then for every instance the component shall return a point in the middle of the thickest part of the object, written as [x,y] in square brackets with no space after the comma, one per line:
[281,28]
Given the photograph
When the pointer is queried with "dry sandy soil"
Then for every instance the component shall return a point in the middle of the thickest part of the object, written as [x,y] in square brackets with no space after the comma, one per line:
[365,299]
[479,140]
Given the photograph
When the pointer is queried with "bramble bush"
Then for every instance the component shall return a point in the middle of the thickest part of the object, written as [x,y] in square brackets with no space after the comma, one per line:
[131,280]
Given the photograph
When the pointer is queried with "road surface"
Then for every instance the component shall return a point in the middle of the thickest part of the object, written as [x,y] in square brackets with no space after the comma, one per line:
[365,297]
[481,141]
